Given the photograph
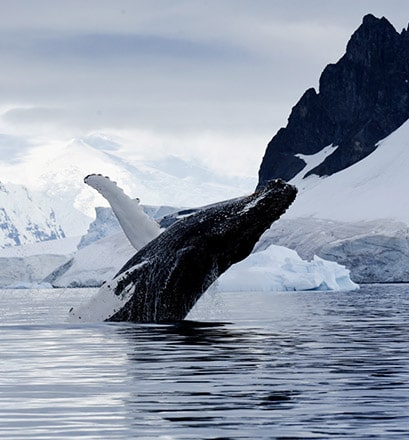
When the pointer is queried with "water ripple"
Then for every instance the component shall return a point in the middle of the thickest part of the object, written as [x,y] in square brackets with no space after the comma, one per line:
[275,366]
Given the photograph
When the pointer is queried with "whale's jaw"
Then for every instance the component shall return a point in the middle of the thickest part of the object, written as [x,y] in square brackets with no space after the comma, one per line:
[164,280]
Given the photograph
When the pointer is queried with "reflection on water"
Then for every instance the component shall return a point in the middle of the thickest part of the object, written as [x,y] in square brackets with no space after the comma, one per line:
[272,366]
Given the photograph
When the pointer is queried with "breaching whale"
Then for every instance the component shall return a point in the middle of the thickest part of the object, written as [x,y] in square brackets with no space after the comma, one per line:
[164,280]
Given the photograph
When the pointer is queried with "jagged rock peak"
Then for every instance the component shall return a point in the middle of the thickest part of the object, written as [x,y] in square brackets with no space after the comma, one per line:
[372,23]
[362,99]
[375,40]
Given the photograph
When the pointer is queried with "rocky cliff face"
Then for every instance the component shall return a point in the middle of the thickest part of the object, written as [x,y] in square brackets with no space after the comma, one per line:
[362,99]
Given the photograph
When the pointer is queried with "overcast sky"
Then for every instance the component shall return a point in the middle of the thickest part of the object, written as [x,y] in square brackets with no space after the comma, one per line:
[202,78]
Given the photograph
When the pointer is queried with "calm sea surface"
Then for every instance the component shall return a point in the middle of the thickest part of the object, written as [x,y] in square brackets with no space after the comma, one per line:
[247,366]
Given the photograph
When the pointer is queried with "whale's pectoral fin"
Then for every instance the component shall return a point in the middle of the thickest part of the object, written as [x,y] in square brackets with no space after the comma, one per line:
[138,227]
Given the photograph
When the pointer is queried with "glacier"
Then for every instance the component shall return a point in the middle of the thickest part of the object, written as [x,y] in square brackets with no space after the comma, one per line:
[375,251]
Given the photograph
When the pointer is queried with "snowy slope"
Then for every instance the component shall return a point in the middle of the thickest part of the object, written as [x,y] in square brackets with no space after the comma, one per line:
[374,188]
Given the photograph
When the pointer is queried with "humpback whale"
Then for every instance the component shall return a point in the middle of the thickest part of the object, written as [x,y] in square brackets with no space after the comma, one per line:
[164,280]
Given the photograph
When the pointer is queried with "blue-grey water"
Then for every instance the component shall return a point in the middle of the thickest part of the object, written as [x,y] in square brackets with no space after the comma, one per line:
[295,365]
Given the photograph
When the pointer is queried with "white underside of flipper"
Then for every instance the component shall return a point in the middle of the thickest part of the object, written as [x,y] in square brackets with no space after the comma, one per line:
[138,227]
[104,303]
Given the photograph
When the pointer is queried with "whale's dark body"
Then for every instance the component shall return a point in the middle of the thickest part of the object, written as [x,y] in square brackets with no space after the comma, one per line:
[169,274]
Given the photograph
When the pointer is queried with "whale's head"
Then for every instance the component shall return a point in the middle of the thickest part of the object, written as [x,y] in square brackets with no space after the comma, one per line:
[236,225]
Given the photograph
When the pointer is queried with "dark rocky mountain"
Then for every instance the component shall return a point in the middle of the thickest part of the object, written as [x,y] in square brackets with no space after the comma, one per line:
[362,99]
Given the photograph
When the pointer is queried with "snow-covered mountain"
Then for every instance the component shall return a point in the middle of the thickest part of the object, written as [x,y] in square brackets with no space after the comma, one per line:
[26,217]
[356,94]
[184,184]
[55,173]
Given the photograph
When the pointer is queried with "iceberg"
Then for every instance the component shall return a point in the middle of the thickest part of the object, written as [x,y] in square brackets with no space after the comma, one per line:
[280,269]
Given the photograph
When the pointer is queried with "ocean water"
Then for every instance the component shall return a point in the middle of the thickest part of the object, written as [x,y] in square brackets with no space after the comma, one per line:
[294,365]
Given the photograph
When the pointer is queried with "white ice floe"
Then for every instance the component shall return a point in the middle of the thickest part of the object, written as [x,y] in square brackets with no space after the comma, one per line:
[280,269]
